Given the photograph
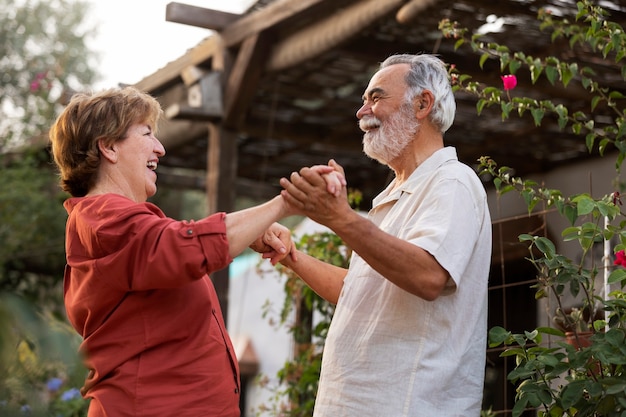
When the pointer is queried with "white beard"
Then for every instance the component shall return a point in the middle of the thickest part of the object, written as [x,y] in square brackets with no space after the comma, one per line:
[392,137]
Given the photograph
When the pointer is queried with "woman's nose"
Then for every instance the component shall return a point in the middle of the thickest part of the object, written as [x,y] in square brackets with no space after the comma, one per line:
[159,149]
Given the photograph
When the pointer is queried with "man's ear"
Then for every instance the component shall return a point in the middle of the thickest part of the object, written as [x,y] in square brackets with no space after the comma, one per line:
[108,151]
[424,104]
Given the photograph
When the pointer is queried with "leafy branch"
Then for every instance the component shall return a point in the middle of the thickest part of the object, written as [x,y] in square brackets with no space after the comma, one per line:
[591,29]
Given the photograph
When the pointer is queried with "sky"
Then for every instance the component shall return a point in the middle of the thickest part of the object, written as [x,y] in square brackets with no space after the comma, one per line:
[134,40]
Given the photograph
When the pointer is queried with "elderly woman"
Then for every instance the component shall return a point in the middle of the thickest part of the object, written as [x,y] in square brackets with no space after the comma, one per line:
[136,282]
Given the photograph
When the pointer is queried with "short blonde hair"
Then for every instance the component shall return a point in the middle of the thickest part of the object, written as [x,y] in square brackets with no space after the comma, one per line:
[89,118]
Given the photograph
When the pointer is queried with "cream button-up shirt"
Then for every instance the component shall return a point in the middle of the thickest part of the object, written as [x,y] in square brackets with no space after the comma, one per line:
[392,354]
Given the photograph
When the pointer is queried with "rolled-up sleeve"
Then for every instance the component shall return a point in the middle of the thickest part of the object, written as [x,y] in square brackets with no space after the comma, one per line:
[136,247]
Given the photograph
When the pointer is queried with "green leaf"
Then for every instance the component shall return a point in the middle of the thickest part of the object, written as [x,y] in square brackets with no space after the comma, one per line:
[584,204]
[572,392]
[498,335]
[551,331]
[589,140]
[571,213]
[617,389]
[594,102]
[536,68]
[537,115]
[618,275]
[549,360]
[514,65]
[519,407]
[551,73]
[545,246]
[524,237]
[506,107]
[562,112]
[568,73]
[512,352]
[480,105]
[483,58]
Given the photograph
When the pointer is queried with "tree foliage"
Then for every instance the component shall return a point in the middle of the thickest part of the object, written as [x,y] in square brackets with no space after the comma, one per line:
[42,55]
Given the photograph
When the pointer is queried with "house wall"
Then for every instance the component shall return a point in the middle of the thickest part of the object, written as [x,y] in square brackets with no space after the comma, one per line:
[596,177]
[254,285]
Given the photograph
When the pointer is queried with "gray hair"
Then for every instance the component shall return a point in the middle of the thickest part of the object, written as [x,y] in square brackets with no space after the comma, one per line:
[427,72]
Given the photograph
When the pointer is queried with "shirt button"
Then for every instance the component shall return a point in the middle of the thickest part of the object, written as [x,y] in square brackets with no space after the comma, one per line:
[189,232]
[236,390]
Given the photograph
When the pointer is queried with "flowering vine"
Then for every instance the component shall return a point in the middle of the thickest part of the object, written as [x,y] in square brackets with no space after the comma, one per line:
[552,376]
[599,34]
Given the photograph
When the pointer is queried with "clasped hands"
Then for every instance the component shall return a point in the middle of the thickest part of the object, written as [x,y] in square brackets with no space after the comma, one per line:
[318,192]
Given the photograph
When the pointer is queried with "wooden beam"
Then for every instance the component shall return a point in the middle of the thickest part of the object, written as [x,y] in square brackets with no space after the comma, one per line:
[212,47]
[199,114]
[174,133]
[244,78]
[199,55]
[199,16]
[265,18]
[327,33]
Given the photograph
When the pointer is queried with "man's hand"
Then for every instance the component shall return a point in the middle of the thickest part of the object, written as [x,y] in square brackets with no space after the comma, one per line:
[308,193]
[275,244]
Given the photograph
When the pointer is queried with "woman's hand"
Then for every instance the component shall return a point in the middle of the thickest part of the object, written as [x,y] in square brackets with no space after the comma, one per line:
[334,176]
[275,244]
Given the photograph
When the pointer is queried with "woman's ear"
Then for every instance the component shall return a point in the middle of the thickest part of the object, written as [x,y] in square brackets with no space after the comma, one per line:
[108,150]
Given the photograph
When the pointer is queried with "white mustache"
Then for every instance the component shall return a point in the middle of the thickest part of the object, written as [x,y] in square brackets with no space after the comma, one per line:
[369,122]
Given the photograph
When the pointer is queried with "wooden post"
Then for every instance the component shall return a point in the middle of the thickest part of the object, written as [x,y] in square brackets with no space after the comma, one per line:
[220,190]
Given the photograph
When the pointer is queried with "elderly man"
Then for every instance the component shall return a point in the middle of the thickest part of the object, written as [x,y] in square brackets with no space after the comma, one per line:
[408,336]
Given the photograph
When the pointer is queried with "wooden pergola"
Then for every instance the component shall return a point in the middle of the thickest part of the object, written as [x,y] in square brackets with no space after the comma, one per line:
[277,87]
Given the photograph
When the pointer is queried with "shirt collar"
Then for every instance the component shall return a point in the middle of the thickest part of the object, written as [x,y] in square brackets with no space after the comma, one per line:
[431,164]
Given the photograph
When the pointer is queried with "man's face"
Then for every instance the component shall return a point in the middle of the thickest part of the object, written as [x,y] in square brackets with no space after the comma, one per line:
[386,117]
[387,142]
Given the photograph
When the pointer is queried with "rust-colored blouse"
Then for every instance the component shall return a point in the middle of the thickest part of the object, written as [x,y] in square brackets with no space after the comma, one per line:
[137,290]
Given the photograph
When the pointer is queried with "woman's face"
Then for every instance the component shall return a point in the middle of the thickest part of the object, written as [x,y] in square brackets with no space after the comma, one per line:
[139,155]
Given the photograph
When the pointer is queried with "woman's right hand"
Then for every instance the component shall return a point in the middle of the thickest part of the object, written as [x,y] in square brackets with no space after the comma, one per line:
[334,176]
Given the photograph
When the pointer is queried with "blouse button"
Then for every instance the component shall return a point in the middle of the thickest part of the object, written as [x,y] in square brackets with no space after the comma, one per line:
[236,390]
[189,232]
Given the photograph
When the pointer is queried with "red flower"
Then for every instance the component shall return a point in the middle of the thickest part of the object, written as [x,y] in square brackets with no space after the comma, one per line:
[616,198]
[620,258]
[509,81]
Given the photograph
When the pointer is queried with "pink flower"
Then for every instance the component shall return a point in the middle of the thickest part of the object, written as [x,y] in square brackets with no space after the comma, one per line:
[509,81]
[37,82]
[620,258]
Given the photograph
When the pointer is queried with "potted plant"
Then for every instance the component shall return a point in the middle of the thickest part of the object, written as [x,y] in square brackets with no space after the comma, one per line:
[576,323]
[552,376]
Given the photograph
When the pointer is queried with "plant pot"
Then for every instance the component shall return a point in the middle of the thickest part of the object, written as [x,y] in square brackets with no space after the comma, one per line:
[578,339]
[581,340]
